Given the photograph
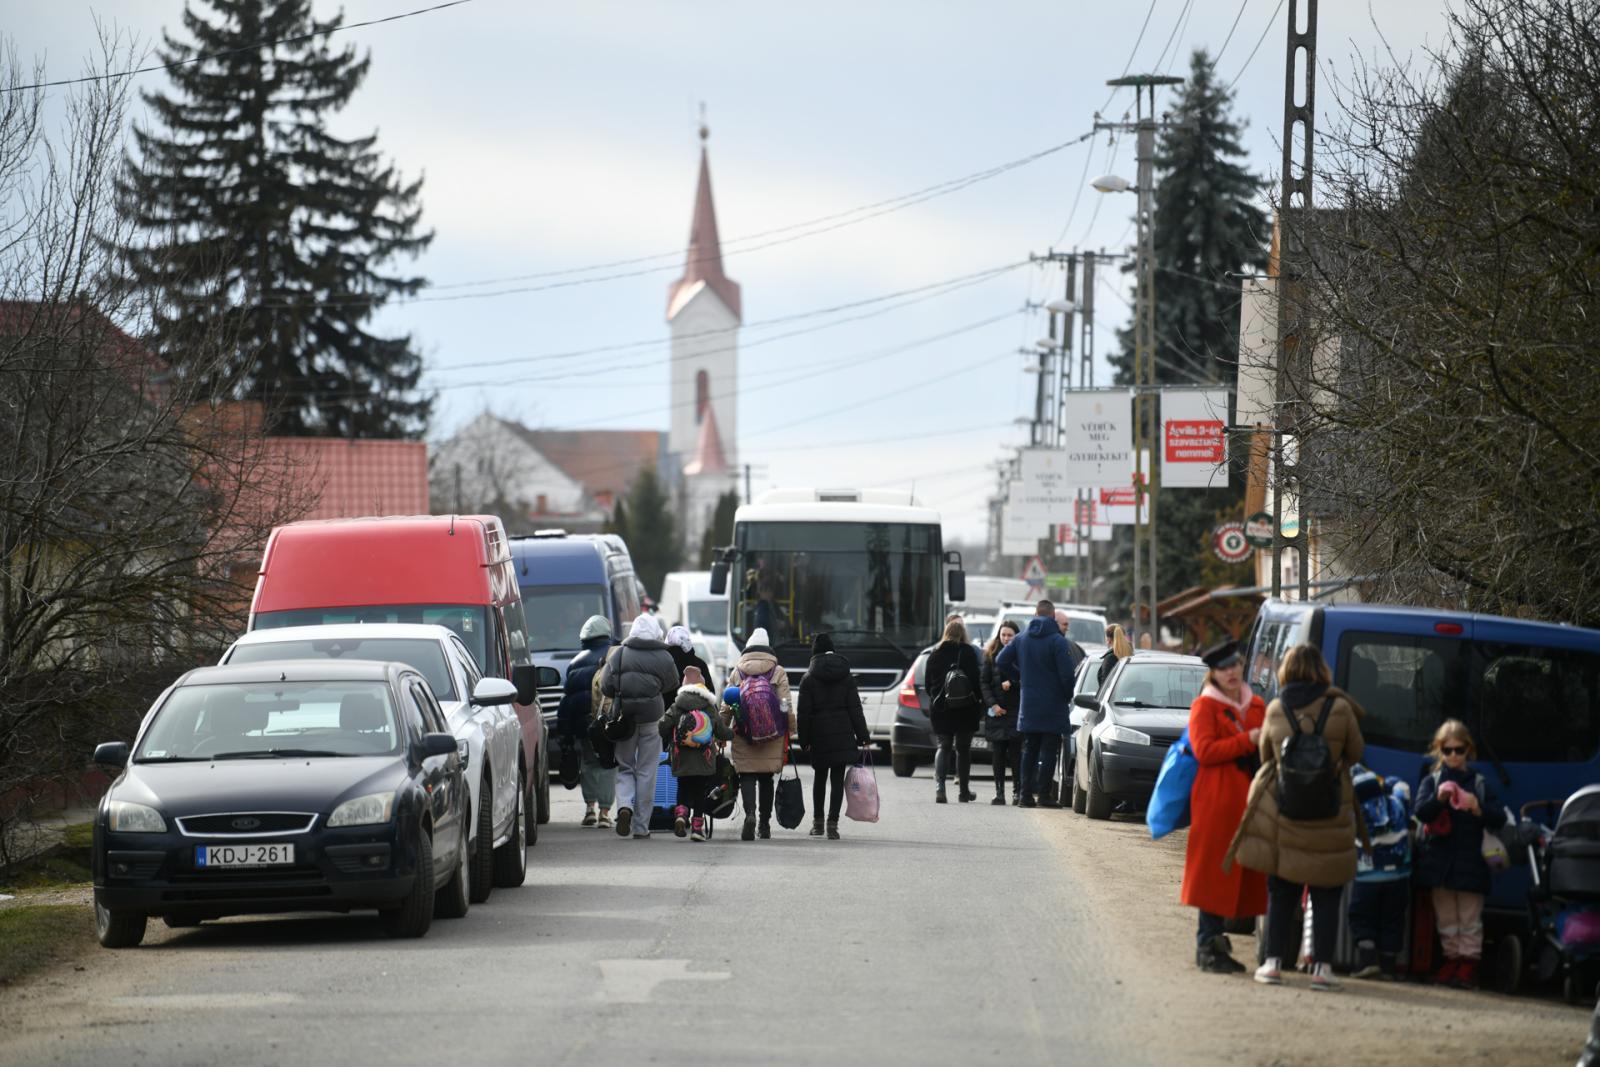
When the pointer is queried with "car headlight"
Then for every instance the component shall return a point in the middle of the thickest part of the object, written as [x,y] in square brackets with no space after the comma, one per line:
[1125,736]
[364,811]
[126,817]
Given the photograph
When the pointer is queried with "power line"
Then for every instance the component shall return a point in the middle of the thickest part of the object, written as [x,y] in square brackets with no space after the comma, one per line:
[1134,51]
[1268,29]
[1181,21]
[231,51]
[1225,41]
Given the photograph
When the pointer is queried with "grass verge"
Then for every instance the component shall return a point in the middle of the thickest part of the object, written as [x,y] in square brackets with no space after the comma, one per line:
[37,935]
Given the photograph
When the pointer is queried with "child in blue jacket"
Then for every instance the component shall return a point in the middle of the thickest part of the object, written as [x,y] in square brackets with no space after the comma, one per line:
[1382,888]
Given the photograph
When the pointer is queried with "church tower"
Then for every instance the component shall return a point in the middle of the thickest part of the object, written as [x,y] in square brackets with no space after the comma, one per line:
[703,312]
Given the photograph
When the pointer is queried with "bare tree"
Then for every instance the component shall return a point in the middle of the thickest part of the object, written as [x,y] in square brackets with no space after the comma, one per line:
[1449,418]
[133,501]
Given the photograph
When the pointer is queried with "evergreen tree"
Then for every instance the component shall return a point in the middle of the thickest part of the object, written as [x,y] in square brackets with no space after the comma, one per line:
[720,532]
[1208,229]
[645,522]
[261,226]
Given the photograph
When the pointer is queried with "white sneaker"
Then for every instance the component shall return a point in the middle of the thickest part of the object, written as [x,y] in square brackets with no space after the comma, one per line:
[1270,973]
[1322,979]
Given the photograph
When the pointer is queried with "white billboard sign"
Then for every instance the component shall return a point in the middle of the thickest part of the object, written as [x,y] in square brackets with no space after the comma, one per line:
[1194,445]
[1019,536]
[1117,500]
[1042,492]
[1099,429]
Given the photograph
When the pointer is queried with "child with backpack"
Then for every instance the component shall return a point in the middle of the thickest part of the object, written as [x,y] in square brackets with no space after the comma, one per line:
[1383,874]
[1299,826]
[691,729]
[761,730]
[1456,805]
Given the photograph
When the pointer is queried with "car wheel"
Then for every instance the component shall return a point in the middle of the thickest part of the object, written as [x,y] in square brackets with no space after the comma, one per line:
[542,808]
[533,820]
[1096,804]
[904,766]
[452,899]
[1080,799]
[118,929]
[511,858]
[483,881]
[415,913]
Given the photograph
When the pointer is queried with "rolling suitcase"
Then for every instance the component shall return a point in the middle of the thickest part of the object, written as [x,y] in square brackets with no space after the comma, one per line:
[666,796]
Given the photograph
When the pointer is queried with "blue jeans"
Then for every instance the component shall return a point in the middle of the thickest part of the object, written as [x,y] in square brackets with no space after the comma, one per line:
[1039,754]
[1378,913]
[1211,927]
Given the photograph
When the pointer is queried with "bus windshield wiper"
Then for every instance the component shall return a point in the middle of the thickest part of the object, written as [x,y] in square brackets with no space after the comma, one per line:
[881,638]
[275,753]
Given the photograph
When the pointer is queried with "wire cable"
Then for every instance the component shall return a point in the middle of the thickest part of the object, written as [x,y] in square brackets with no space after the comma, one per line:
[1225,41]
[1270,22]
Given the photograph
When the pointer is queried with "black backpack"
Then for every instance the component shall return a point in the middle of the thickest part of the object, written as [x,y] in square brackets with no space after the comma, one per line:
[957,690]
[1308,779]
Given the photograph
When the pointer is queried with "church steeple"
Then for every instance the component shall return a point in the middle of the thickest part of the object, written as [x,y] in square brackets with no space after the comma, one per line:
[704,261]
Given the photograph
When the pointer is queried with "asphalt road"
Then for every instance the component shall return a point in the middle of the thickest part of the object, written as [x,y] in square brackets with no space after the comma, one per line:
[942,934]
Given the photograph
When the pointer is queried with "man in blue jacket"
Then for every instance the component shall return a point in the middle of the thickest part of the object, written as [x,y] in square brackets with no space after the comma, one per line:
[1043,663]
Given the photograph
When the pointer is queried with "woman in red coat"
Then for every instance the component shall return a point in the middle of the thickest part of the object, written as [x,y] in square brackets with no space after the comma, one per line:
[1224,731]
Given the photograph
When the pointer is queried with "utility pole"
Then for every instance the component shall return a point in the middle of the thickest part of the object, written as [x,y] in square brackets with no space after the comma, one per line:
[1146,424]
[1086,381]
[1299,124]
[748,498]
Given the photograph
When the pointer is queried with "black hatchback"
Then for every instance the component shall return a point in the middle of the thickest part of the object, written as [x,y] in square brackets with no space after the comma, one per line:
[293,786]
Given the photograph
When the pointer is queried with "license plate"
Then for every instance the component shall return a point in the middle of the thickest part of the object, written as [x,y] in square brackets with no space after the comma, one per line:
[209,856]
[980,742]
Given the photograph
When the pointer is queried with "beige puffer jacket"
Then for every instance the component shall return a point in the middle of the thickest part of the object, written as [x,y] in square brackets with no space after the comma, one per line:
[767,757]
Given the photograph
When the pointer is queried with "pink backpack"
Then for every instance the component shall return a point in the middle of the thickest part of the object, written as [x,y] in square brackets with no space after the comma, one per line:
[761,713]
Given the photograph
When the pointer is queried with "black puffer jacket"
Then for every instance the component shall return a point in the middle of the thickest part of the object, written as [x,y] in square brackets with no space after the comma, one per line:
[682,659]
[945,657]
[999,727]
[638,672]
[572,716]
[831,724]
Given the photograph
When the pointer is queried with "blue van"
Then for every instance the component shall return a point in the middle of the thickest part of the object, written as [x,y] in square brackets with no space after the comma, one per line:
[565,578]
[1529,691]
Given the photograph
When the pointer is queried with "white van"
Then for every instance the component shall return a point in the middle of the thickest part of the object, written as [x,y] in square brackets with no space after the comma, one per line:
[686,600]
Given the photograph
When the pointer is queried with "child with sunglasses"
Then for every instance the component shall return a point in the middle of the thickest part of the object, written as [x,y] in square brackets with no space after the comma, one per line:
[1455,804]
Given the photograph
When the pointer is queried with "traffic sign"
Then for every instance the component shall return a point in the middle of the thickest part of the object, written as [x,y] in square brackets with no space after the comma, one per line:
[1258,529]
[1062,581]
[1034,573]
[1229,543]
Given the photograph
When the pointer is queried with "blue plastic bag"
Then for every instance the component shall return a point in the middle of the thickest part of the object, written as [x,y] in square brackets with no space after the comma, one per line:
[1169,806]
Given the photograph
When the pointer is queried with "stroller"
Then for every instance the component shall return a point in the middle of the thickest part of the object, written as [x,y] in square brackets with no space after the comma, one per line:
[1564,903]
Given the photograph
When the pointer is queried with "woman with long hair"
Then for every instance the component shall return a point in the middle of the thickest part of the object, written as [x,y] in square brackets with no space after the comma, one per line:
[955,690]
[1001,698]
[1120,648]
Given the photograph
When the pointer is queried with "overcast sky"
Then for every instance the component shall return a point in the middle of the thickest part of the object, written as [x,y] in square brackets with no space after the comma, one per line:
[557,136]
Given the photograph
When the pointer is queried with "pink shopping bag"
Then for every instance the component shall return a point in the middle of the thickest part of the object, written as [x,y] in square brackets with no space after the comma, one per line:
[861,792]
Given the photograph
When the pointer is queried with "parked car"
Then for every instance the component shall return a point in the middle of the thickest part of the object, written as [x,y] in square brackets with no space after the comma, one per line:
[1128,725]
[1086,628]
[301,785]
[450,570]
[1085,683]
[980,627]
[477,710]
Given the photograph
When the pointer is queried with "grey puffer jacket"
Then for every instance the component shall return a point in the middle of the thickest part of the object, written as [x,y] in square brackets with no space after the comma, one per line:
[637,673]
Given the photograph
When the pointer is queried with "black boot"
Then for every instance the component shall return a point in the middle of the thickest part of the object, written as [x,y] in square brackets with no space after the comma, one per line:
[749,831]
[816,827]
[1214,959]
[938,794]
[764,831]
[833,829]
[999,798]
[1366,960]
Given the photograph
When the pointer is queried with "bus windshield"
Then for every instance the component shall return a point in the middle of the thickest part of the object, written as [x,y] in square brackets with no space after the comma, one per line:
[868,584]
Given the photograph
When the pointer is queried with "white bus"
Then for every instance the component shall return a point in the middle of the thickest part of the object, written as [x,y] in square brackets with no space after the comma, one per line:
[867,567]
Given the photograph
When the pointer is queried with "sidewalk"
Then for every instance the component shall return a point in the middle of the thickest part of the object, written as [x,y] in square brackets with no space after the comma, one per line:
[1204,1018]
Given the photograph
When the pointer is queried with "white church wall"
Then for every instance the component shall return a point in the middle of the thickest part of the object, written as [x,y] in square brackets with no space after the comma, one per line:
[704,337]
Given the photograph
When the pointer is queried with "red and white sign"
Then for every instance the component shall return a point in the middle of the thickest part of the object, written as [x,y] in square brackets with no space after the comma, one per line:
[1228,542]
[1194,453]
[1117,501]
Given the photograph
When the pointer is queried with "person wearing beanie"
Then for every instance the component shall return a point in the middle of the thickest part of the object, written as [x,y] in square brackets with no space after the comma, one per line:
[599,783]
[758,762]
[832,729]
[691,729]
[680,646]
[637,673]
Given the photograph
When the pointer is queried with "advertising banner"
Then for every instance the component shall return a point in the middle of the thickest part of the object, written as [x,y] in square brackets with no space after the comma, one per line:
[1194,445]
[1099,434]
[1042,491]
[1117,501]
[1019,537]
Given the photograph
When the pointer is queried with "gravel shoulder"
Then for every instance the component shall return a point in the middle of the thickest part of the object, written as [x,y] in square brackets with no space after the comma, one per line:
[1133,885]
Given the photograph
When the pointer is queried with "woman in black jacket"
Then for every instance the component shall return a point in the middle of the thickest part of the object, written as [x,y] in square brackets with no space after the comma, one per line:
[1001,697]
[680,644]
[956,694]
[832,729]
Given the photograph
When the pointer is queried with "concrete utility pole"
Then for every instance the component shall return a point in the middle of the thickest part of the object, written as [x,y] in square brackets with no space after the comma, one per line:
[1299,125]
[1146,418]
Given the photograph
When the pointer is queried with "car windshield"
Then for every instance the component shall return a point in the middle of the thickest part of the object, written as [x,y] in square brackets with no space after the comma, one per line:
[420,653]
[266,719]
[1158,685]
[470,623]
[556,613]
[709,616]
[1086,631]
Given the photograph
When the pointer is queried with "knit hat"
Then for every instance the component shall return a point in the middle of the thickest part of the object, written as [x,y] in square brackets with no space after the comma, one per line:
[821,644]
[692,676]
[758,636]
[595,626]
[679,635]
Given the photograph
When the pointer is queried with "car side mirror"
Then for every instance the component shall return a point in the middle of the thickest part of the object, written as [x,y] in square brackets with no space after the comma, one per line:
[526,678]
[112,754]
[719,579]
[437,745]
[548,677]
[1086,702]
[493,691]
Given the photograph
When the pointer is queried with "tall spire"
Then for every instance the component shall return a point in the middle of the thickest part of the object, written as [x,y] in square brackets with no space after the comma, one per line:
[709,458]
[704,261]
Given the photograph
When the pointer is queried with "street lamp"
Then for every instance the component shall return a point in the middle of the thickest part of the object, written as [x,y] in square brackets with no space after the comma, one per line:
[1047,344]
[1113,183]
[1061,307]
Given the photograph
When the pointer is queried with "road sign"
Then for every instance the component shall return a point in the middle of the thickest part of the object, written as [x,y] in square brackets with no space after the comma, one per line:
[1258,530]
[1229,543]
[1034,573]
[1062,581]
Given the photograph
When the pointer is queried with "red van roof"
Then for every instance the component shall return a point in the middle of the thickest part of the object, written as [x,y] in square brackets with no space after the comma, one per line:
[423,559]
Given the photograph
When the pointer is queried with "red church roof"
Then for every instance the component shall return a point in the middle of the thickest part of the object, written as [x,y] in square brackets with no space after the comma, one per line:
[709,458]
[704,261]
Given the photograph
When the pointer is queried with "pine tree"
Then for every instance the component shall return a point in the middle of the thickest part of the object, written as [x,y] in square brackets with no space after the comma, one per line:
[1208,229]
[720,532]
[645,521]
[261,226]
